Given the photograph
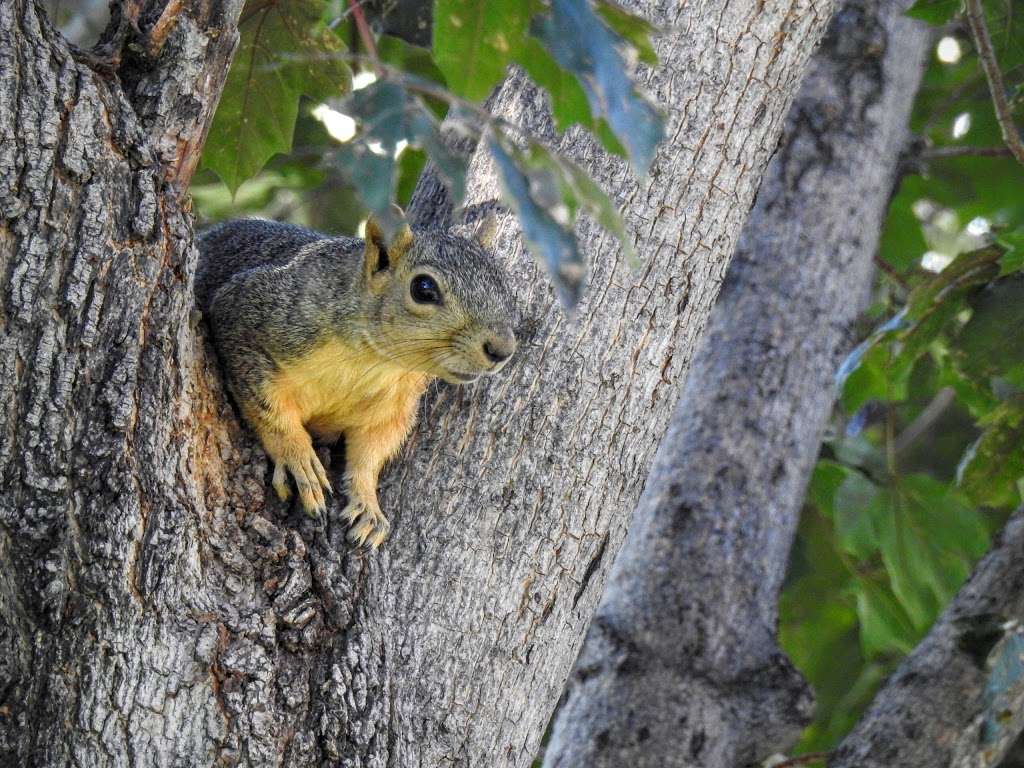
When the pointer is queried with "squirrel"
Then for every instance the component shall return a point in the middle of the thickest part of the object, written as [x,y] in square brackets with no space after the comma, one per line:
[331,336]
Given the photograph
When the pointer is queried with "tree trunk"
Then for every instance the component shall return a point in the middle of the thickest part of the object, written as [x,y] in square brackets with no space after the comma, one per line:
[681,666]
[158,606]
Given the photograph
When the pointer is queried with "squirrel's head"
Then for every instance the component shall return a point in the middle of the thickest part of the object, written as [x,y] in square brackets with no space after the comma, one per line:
[441,301]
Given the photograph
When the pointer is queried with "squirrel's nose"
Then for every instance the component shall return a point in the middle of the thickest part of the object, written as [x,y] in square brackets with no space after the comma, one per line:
[498,350]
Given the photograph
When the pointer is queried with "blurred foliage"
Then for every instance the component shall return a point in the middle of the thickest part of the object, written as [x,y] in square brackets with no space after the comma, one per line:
[320,126]
[925,459]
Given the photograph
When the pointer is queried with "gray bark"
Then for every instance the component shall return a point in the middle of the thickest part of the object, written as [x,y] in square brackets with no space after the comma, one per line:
[681,666]
[931,711]
[159,606]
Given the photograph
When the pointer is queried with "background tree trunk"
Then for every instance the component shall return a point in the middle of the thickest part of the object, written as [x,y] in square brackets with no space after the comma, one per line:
[158,606]
[681,666]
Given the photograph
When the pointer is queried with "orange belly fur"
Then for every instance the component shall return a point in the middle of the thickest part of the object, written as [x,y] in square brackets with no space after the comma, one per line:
[335,388]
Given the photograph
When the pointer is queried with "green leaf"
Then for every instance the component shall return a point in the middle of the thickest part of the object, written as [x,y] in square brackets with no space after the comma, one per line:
[548,191]
[880,367]
[579,191]
[826,479]
[534,192]
[283,53]
[986,346]
[934,12]
[994,465]
[583,45]
[902,243]
[474,41]
[569,103]
[930,536]
[635,30]
[410,168]
[416,61]
[387,114]
[854,515]
[884,625]
[1013,259]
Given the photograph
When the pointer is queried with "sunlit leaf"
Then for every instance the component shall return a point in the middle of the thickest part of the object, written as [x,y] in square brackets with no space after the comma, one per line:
[284,53]
[474,41]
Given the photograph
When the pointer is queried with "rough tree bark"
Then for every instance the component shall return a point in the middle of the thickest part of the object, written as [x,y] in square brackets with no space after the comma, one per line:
[931,711]
[158,606]
[681,666]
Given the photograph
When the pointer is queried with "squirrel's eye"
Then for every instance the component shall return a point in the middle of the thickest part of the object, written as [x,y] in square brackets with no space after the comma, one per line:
[424,290]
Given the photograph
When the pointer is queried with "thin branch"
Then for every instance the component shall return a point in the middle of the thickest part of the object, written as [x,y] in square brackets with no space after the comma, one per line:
[365,34]
[805,759]
[941,153]
[891,272]
[987,57]
[931,413]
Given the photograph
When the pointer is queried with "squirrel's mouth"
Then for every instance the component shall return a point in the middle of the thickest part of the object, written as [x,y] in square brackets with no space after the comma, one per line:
[463,378]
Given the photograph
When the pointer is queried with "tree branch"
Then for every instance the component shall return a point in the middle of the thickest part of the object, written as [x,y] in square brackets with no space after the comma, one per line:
[987,57]
[941,153]
[932,710]
[681,666]
[173,69]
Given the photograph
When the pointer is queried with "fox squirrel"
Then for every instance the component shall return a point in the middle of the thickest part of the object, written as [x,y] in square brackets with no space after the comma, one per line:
[336,336]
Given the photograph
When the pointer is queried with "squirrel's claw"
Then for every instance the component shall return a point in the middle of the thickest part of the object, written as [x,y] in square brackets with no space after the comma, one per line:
[280,482]
[369,526]
[310,479]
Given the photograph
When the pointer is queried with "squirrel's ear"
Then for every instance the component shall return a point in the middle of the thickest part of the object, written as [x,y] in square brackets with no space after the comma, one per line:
[382,252]
[486,231]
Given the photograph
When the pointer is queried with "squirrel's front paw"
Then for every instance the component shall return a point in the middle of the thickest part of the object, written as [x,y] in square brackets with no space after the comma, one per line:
[369,526]
[310,478]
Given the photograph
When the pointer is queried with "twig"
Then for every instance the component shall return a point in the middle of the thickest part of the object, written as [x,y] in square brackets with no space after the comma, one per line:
[805,759]
[890,271]
[940,153]
[987,57]
[931,413]
[164,25]
[365,34]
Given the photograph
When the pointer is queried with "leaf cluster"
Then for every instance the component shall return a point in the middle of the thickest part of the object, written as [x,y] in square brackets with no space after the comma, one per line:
[925,459]
[580,53]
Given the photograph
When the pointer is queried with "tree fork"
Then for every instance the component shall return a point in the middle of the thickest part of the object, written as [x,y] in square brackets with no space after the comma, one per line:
[158,605]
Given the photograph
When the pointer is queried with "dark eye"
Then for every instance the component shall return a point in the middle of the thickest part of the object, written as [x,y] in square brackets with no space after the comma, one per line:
[424,290]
